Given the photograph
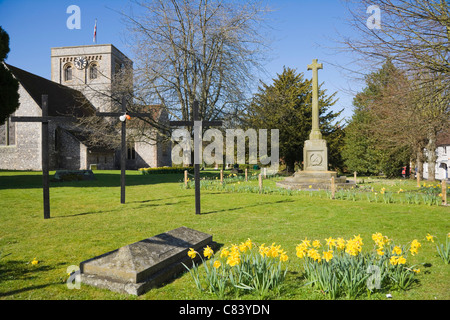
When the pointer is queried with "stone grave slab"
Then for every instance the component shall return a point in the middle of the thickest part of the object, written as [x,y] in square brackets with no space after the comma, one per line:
[73,175]
[138,267]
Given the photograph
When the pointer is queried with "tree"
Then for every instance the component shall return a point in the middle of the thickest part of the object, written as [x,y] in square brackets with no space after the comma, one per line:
[375,139]
[359,150]
[415,35]
[9,86]
[286,105]
[204,50]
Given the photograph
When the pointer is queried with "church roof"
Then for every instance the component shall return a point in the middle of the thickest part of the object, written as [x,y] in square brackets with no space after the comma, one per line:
[84,139]
[62,100]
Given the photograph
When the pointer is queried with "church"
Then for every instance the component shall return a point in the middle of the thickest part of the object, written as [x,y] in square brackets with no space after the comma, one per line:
[81,78]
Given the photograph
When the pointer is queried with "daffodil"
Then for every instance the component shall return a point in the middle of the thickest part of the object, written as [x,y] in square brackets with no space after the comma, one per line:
[234,259]
[316,244]
[393,260]
[224,253]
[34,262]
[307,242]
[327,255]
[284,257]
[192,253]
[415,245]
[217,264]
[430,238]
[331,242]
[397,250]
[301,250]
[208,252]
[340,243]
[249,244]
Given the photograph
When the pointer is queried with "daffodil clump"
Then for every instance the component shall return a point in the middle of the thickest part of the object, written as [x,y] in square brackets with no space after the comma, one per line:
[239,268]
[341,268]
[443,250]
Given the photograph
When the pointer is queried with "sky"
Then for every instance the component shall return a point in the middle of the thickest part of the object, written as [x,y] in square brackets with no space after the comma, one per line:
[301,30]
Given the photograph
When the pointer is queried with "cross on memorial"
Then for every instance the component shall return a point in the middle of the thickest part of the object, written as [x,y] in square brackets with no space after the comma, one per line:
[124,115]
[315,132]
[44,142]
[197,124]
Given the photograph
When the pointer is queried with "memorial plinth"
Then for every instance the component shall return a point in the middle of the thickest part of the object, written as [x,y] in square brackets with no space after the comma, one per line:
[138,267]
[315,152]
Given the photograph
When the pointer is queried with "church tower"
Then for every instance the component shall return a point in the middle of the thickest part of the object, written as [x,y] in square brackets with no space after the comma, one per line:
[92,69]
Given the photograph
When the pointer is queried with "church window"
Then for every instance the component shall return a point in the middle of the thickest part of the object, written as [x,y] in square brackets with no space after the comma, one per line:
[93,71]
[7,133]
[68,73]
[56,140]
[131,153]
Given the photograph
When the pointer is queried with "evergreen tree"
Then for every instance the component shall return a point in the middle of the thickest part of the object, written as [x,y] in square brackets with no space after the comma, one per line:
[367,149]
[286,105]
[9,86]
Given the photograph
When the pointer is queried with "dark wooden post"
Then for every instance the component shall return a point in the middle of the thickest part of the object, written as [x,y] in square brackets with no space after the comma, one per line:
[333,187]
[45,157]
[444,192]
[123,152]
[198,148]
[44,119]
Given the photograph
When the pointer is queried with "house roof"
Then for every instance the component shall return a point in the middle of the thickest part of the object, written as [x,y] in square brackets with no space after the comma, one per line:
[443,138]
[62,100]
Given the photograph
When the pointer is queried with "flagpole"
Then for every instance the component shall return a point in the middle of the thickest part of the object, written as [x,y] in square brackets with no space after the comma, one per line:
[95,31]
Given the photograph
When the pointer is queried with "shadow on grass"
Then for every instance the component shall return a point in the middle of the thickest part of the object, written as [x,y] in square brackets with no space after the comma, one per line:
[24,180]
[23,271]
[249,206]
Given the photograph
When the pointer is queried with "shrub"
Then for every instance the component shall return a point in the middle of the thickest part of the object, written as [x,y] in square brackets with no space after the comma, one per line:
[163,170]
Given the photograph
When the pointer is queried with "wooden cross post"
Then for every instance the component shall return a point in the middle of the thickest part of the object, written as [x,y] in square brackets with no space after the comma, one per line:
[44,120]
[198,124]
[444,192]
[333,187]
[124,115]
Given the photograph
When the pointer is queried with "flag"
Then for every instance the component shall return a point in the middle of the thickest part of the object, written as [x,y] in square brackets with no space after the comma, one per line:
[95,31]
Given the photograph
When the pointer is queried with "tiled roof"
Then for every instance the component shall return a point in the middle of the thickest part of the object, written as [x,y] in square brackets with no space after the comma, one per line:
[62,100]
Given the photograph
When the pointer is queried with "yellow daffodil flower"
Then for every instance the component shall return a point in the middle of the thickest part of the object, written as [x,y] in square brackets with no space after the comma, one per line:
[208,252]
[192,253]
[397,250]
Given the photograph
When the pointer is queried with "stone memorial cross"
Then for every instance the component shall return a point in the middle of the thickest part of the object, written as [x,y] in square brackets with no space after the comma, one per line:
[315,132]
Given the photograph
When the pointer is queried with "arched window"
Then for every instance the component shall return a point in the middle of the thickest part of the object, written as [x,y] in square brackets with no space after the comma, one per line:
[93,71]
[68,73]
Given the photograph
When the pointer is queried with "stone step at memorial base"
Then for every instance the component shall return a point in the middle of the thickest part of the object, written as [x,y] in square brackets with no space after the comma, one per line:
[314,180]
[138,267]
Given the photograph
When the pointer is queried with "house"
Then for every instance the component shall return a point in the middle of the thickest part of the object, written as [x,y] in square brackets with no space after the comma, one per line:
[443,157]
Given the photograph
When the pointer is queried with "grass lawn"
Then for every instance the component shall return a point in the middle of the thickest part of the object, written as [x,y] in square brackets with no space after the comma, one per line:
[87,219]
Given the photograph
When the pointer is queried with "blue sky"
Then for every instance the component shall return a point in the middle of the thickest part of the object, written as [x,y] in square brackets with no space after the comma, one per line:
[302,30]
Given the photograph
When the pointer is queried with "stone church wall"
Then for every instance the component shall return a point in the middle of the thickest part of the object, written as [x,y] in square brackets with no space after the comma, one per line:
[26,153]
